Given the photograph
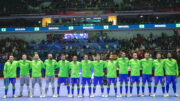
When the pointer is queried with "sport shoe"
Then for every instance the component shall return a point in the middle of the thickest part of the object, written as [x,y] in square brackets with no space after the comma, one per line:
[20,95]
[130,95]
[142,95]
[120,95]
[107,96]
[127,95]
[79,96]
[29,95]
[5,96]
[41,96]
[54,95]
[138,95]
[102,95]
[14,96]
[176,95]
[154,95]
[164,95]
[32,96]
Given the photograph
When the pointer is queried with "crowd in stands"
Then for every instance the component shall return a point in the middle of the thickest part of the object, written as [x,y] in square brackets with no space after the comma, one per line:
[138,44]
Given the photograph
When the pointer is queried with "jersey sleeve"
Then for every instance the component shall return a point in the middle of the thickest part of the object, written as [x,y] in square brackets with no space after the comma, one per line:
[177,68]
[5,70]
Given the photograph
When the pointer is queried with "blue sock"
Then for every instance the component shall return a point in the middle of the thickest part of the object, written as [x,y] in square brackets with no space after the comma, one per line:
[108,89]
[102,89]
[14,89]
[167,87]
[163,89]
[131,88]
[126,87]
[83,88]
[155,87]
[58,89]
[94,89]
[89,89]
[149,87]
[78,90]
[121,88]
[72,90]
[174,87]
[138,88]
[115,89]
[68,89]
[6,90]
[143,88]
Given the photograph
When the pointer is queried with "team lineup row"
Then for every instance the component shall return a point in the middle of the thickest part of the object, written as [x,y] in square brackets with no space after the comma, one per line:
[169,66]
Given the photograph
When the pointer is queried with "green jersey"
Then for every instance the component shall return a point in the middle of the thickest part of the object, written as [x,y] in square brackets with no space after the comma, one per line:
[146,65]
[86,65]
[63,68]
[135,67]
[171,67]
[75,67]
[123,64]
[24,67]
[36,66]
[98,67]
[10,69]
[50,66]
[111,66]
[158,67]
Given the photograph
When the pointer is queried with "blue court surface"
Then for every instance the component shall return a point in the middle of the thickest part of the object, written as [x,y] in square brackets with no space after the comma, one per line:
[63,94]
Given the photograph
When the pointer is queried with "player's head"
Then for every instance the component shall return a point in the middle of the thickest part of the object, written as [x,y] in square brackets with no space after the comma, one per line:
[158,55]
[85,57]
[169,55]
[36,56]
[123,54]
[111,57]
[50,56]
[24,56]
[146,54]
[11,58]
[63,57]
[74,58]
[98,57]
[135,55]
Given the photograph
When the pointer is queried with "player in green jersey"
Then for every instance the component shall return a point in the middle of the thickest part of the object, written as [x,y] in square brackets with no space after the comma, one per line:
[171,70]
[24,65]
[146,65]
[75,77]
[36,66]
[50,65]
[111,66]
[135,73]
[123,64]
[98,67]
[63,75]
[9,73]
[158,74]
[85,66]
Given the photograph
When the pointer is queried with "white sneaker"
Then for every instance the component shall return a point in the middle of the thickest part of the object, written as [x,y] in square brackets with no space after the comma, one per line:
[116,96]
[32,96]
[142,95]
[107,96]
[54,95]
[44,95]
[164,95]
[79,96]
[102,95]
[130,95]
[69,95]
[154,95]
[57,95]
[41,96]
[5,96]
[120,95]
[93,95]
[176,95]
[167,95]
[14,96]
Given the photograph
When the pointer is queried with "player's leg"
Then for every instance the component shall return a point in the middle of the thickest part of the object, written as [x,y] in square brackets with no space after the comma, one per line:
[59,85]
[22,81]
[6,84]
[94,87]
[78,87]
[40,85]
[174,85]
[72,86]
[108,86]
[126,79]
[33,84]
[89,86]
[168,82]
[47,85]
[102,86]
[115,86]
[121,84]
[138,88]
[13,82]
[143,83]
[131,85]
[149,80]
[83,86]
[53,87]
